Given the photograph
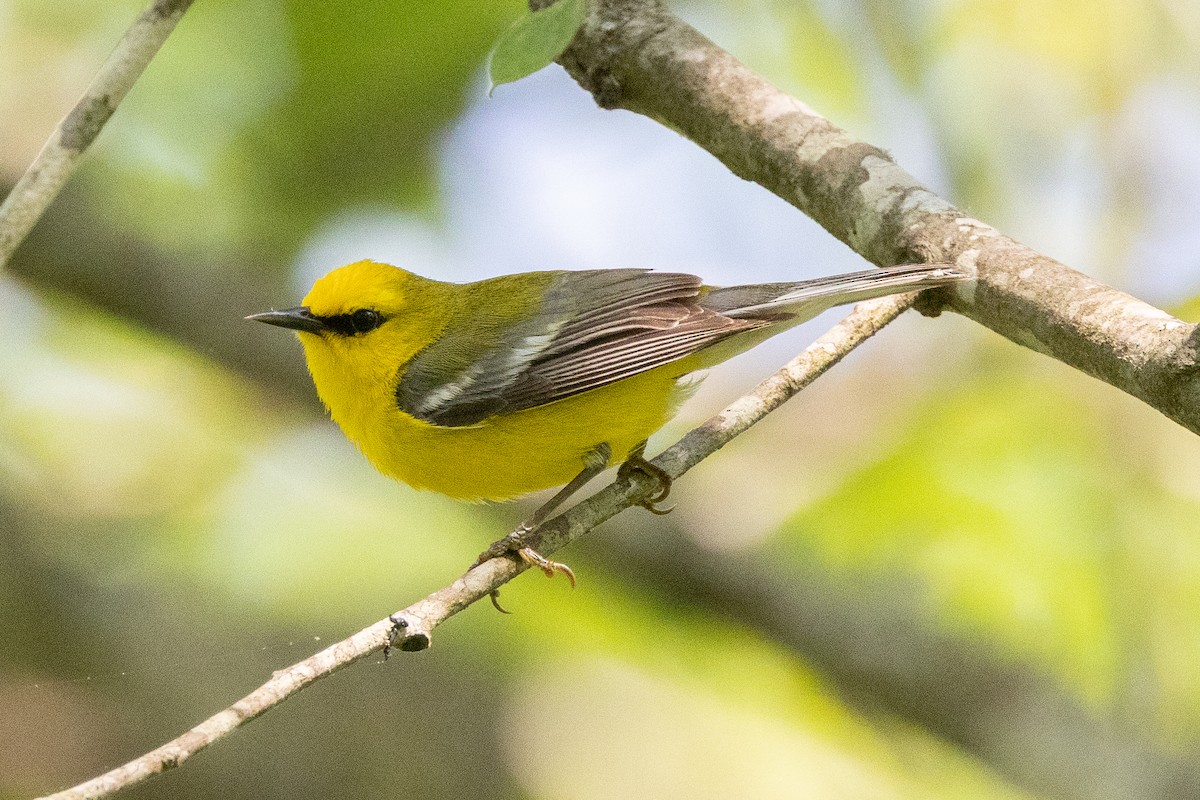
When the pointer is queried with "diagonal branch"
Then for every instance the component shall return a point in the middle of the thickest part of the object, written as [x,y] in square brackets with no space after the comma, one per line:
[636,55]
[417,622]
[63,151]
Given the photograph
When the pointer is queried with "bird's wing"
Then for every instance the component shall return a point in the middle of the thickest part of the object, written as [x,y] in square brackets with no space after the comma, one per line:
[592,328]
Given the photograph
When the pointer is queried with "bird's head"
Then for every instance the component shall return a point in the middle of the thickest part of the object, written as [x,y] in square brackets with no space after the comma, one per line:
[351,301]
[363,321]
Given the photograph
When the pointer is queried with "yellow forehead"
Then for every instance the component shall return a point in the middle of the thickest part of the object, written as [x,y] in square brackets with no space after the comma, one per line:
[363,284]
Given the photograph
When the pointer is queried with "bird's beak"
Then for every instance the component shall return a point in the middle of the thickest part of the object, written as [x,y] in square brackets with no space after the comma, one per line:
[298,319]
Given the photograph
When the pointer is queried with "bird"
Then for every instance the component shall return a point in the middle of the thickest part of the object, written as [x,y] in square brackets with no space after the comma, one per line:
[490,390]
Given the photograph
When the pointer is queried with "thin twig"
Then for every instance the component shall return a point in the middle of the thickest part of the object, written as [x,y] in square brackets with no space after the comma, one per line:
[412,628]
[63,151]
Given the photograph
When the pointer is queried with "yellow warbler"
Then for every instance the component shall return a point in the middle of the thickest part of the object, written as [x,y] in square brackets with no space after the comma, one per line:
[502,387]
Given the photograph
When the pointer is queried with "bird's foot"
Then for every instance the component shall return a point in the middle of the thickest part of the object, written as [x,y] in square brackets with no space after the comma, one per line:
[636,463]
[549,568]
[514,544]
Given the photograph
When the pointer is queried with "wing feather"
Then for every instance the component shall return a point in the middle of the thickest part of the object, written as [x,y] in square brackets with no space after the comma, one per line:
[593,327]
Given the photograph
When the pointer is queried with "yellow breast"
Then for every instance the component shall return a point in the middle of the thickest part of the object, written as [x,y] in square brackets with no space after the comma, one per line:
[507,455]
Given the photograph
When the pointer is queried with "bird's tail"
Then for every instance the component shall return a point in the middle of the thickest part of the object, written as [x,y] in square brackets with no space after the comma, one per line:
[806,299]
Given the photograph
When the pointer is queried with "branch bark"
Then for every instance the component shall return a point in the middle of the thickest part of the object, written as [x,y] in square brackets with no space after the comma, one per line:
[415,624]
[63,151]
[634,54]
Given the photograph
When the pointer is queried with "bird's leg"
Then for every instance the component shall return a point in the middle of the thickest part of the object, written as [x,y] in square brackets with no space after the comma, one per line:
[594,462]
[636,462]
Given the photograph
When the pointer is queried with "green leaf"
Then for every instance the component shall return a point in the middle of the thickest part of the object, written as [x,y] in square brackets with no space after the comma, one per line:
[534,41]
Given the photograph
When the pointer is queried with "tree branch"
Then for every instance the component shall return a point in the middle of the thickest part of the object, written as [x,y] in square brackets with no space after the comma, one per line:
[634,54]
[415,624]
[61,154]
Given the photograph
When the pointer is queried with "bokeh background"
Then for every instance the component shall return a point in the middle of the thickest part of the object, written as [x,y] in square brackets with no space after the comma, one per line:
[951,568]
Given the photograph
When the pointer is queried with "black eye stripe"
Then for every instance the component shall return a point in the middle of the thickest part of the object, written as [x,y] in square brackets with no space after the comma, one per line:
[356,323]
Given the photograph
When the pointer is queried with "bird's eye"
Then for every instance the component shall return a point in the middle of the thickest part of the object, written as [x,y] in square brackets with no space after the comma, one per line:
[366,319]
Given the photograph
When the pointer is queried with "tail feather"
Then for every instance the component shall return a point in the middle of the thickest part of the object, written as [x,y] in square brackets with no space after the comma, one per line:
[806,299]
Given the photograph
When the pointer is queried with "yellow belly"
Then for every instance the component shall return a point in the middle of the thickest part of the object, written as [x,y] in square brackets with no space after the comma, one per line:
[515,454]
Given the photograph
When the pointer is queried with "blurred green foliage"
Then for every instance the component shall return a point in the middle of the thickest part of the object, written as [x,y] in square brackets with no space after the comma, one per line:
[176,523]
[1021,517]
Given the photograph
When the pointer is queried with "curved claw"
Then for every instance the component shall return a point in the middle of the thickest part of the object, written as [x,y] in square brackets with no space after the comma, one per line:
[494,596]
[664,489]
[636,462]
[549,568]
[513,544]
[650,506]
